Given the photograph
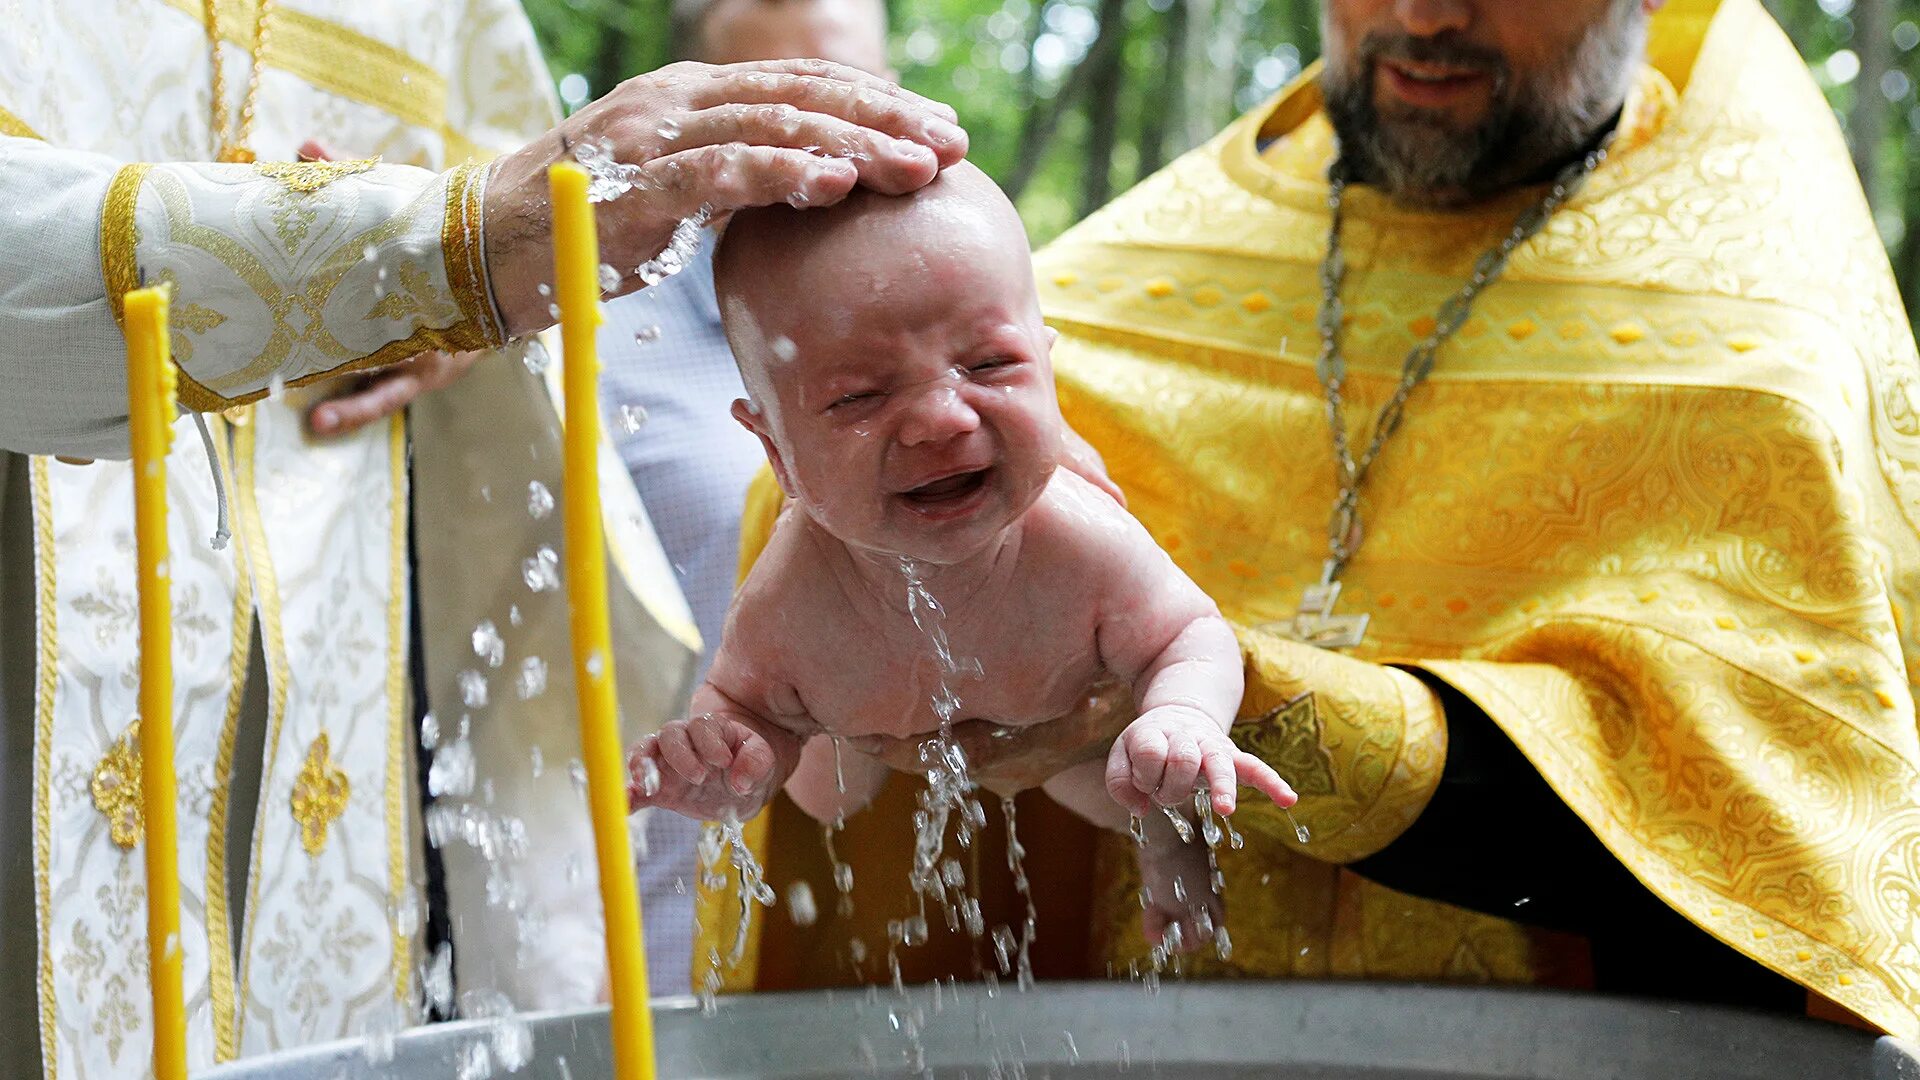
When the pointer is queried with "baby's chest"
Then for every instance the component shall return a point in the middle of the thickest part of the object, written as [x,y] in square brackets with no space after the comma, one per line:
[896,685]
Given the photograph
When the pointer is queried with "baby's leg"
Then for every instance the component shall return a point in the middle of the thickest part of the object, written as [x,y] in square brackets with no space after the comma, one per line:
[832,782]
[1176,875]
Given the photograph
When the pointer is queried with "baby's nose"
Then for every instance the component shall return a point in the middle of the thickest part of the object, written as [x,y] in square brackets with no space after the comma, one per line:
[937,415]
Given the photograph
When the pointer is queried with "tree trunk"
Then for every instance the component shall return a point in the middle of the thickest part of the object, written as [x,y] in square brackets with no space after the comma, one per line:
[1867,120]
[1104,86]
[1163,112]
[1197,122]
[1045,116]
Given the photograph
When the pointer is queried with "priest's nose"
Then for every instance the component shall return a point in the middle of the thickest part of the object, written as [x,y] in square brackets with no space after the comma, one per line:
[1430,18]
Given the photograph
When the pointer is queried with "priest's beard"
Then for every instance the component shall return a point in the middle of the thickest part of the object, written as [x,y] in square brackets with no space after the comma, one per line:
[1533,125]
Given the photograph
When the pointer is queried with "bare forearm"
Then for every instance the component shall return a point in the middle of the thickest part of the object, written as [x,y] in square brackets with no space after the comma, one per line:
[1200,669]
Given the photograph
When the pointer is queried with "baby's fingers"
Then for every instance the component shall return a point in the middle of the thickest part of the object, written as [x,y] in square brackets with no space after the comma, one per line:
[1260,776]
[1183,770]
[752,765]
[676,749]
[1221,780]
[710,741]
[1120,781]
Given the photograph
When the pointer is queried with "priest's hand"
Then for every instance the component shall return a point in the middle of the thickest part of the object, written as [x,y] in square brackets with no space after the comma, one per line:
[694,137]
[380,394]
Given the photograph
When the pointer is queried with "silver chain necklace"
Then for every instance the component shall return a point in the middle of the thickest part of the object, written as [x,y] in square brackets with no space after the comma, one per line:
[1314,622]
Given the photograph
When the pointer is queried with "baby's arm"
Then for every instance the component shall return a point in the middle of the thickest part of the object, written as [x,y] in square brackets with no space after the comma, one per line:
[726,761]
[830,785]
[1161,632]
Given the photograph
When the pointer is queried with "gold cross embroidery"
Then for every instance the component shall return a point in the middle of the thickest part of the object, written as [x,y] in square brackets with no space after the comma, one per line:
[116,789]
[319,796]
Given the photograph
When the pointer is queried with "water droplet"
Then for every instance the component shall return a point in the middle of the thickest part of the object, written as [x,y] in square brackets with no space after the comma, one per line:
[536,358]
[631,417]
[513,615]
[596,664]
[473,689]
[553,312]
[429,732]
[609,279]
[648,779]
[539,501]
[577,772]
[452,771]
[646,335]
[380,1032]
[476,1062]
[544,289]
[669,128]
[532,680]
[488,646]
[538,761]
[542,571]
[800,904]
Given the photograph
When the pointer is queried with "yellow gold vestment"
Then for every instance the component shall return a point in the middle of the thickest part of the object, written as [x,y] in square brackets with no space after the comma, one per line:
[1657,512]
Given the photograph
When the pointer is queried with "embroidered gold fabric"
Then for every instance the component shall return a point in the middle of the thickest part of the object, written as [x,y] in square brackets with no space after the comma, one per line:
[116,789]
[1655,512]
[307,177]
[13,125]
[319,795]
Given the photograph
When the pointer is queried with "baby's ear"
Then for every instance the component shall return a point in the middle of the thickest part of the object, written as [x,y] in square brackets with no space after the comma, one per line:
[753,419]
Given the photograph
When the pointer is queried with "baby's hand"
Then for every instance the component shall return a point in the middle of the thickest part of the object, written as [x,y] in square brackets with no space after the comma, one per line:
[710,767]
[1164,755]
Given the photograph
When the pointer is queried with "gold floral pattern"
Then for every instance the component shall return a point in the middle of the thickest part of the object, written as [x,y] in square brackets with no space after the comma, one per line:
[307,177]
[319,795]
[116,789]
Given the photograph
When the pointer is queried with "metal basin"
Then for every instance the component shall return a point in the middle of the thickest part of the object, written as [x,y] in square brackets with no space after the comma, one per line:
[1219,1031]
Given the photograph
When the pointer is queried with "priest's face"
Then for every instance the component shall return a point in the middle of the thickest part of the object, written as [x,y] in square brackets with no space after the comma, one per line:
[908,404]
[1447,102]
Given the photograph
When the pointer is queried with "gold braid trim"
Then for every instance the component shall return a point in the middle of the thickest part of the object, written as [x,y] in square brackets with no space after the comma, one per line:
[399,704]
[465,253]
[220,989]
[48,678]
[13,125]
[336,59]
[120,241]
[252,532]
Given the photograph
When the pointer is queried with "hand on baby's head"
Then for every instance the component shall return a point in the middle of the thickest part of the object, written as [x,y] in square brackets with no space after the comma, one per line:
[896,361]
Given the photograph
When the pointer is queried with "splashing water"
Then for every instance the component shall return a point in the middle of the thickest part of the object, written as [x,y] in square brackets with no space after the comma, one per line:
[801,907]
[646,335]
[1016,862]
[542,571]
[842,872]
[680,249]
[1300,832]
[631,417]
[473,689]
[539,503]
[609,279]
[607,179]
[729,838]
[488,645]
[532,680]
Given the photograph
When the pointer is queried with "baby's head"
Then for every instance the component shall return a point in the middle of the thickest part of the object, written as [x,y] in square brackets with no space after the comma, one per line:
[895,361]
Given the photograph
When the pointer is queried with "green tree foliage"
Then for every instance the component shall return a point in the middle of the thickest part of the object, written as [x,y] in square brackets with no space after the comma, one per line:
[1071,101]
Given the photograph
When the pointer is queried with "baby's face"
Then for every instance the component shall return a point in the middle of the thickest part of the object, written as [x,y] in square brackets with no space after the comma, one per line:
[916,414]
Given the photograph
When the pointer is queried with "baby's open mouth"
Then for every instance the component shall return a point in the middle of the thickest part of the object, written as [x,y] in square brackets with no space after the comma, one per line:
[947,489]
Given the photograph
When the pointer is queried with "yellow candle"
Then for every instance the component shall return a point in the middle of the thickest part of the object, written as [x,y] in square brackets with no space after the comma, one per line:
[150,396]
[576,282]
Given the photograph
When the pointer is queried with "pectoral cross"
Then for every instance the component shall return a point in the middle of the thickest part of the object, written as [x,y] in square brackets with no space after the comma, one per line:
[1316,624]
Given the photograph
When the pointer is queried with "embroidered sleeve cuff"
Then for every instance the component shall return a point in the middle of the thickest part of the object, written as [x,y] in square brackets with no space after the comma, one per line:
[285,273]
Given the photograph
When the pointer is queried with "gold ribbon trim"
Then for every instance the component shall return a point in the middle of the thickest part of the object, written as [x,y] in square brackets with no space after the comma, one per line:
[16,127]
[466,257]
[120,241]
[48,677]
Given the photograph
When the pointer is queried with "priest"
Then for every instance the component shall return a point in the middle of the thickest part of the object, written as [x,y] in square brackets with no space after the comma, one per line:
[1529,386]
[154,143]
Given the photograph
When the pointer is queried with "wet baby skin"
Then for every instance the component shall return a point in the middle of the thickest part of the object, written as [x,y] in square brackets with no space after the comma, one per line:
[898,377]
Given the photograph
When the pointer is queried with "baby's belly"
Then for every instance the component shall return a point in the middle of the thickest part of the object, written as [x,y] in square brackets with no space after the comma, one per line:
[1009,753]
